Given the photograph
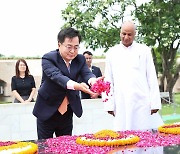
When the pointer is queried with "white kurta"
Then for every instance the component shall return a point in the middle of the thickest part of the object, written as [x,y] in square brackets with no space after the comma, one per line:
[134,87]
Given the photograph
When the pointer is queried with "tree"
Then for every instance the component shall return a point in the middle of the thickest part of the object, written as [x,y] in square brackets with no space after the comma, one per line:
[1,55]
[99,23]
[159,26]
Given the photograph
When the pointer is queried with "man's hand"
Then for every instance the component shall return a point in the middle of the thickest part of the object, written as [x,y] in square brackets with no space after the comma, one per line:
[84,85]
[95,95]
[94,80]
[154,111]
[27,101]
[111,112]
[85,88]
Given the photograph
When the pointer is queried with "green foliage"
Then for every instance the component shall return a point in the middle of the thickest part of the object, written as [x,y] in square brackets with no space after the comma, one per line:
[98,21]
[1,55]
[159,23]
[159,26]
[158,59]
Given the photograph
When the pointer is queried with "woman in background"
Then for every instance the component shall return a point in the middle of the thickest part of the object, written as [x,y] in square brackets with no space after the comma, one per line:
[23,84]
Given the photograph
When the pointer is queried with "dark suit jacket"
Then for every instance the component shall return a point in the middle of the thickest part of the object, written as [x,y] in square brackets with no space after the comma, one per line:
[53,88]
[97,72]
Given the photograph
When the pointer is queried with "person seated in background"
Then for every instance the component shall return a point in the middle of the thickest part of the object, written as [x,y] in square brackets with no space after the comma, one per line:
[23,84]
[95,70]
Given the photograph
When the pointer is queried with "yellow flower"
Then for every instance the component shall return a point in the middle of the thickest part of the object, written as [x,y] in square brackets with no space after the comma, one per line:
[20,148]
[106,133]
[170,129]
[112,141]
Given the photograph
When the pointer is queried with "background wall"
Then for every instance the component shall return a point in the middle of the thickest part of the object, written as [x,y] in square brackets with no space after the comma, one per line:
[7,70]
[18,122]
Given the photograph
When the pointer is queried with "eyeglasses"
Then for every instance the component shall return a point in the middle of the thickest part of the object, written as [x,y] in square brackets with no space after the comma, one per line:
[70,47]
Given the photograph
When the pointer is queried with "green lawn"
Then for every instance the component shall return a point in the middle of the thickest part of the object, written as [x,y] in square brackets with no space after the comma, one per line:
[172,110]
[168,109]
[4,102]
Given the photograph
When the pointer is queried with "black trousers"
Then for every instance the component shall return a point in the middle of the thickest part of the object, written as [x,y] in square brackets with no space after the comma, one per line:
[58,124]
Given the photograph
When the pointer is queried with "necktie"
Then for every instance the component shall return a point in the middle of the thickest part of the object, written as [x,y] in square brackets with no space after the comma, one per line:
[63,107]
[68,66]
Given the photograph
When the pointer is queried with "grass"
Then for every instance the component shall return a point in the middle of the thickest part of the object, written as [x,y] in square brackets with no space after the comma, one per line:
[172,109]
[168,109]
[4,102]
[172,121]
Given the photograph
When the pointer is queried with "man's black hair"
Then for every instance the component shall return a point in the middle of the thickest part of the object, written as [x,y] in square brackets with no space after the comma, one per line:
[68,33]
[87,52]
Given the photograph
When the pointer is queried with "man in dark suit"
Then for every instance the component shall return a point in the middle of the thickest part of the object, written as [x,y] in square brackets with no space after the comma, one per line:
[58,95]
[95,70]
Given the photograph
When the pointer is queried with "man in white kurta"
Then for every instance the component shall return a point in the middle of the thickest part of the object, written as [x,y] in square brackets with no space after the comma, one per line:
[135,97]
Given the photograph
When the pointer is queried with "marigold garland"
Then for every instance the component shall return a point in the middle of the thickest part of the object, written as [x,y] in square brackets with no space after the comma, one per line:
[67,144]
[170,129]
[20,148]
[107,138]
[106,133]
